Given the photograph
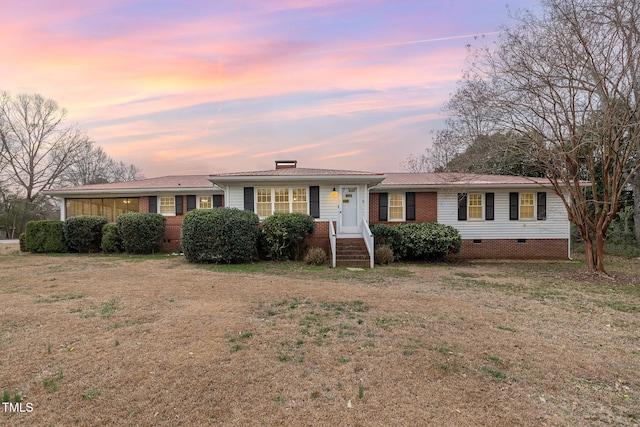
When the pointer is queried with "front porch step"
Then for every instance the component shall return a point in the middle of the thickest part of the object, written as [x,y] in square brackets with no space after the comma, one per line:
[351,252]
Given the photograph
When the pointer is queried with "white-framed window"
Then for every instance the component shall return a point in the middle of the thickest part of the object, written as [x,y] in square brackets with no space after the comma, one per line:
[281,200]
[396,207]
[167,205]
[205,202]
[527,205]
[475,206]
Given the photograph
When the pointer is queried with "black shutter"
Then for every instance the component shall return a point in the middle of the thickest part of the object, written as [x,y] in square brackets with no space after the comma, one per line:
[179,210]
[217,200]
[191,203]
[489,206]
[411,206]
[153,204]
[314,201]
[462,206]
[248,199]
[514,202]
[383,206]
[542,206]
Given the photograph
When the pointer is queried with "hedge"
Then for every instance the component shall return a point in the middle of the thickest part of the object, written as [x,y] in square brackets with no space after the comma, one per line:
[141,232]
[283,235]
[84,233]
[45,237]
[387,235]
[220,235]
[427,241]
[111,241]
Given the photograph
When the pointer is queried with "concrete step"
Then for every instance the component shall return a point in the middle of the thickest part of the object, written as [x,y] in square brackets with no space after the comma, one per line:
[353,263]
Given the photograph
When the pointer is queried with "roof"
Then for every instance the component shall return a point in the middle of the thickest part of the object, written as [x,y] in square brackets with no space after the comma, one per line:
[399,180]
[192,182]
[299,175]
[306,172]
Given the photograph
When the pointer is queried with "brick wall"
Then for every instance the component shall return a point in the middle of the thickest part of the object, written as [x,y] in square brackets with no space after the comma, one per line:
[320,237]
[426,208]
[513,249]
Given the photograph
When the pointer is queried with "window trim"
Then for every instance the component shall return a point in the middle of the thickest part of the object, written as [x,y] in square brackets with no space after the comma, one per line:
[403,206]
[482,207]
[199,206]
[173,204]
[272,199]
[534,198]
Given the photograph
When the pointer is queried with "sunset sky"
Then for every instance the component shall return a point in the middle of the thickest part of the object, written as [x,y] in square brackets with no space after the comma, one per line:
[208,86]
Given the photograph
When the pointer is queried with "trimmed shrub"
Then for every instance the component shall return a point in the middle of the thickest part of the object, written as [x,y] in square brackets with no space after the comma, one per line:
[315,256]
[141,232]
[427,241]
[383,254]
[283,235]
[45,237]
[22,238]
[84,233]
[221,235]
[111,241]
[388,235]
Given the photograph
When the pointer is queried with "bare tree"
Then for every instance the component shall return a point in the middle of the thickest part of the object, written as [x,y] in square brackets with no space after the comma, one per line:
[469,120]
[92,165]
[36,145]
[567,81]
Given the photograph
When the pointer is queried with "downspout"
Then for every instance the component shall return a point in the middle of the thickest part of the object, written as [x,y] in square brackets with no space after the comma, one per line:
[569,240]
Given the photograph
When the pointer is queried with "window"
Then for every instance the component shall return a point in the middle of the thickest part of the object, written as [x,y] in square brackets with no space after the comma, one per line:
[527,206]
[475,205]
[281,204]
[263,203]
[396,207]
[108,208]
[299,203]
[281,200]
[205,202]
[168,205]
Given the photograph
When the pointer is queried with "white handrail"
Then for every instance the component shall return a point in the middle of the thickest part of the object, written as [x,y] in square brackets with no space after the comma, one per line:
[332,240]
[368,240]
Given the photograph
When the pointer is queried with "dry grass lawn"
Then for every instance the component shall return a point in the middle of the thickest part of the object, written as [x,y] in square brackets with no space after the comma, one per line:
[148,341]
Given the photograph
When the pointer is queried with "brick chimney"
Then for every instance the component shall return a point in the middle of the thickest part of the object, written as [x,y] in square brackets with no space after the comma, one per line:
[286,164]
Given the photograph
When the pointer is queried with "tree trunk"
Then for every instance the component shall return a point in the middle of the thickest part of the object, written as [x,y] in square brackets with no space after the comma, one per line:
[635,187]
[600,252]
[588,253]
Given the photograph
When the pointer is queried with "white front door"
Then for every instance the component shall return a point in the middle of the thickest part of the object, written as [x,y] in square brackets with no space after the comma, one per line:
[349,211]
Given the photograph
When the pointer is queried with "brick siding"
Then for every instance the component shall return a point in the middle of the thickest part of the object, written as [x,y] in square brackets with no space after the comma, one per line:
[426,208]
[512,249]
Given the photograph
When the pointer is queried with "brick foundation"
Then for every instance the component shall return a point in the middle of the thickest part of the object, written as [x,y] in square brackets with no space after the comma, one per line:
[320,237]
[513,249]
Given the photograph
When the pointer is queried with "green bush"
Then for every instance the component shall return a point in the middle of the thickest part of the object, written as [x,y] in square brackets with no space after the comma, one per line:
[141,232]
[283,235]
[84,233]
[45,237]
[221,235]
[387,235]
[383,254]
[111,241]
[427,241]
[315,256]
[22,238]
